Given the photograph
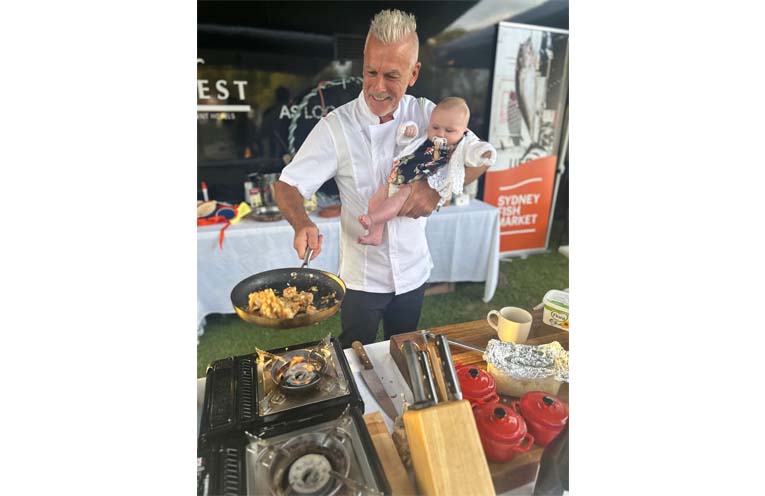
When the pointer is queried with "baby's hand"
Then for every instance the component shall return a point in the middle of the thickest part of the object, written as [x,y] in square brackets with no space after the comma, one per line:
[410,131]
[486,154]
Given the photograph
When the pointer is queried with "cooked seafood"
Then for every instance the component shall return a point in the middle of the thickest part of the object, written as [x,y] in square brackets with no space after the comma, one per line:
[286,306]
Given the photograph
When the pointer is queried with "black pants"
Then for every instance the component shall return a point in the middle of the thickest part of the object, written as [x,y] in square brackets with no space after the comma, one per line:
[361,313]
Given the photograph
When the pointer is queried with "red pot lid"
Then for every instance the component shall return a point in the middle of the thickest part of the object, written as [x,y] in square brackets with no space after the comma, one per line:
[545,409]
[500,423]
[474,382]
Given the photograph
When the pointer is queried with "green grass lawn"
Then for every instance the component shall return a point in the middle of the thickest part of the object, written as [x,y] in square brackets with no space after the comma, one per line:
[522,283]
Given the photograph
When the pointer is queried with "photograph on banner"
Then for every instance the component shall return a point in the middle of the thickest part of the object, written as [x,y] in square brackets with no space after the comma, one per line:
[529,93]
[529,104]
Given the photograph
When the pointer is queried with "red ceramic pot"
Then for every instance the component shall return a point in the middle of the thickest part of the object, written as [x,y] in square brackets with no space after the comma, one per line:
[502,430]
[478,386]
[545,415]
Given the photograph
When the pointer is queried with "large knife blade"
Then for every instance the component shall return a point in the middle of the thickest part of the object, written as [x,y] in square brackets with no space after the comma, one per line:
[373,382]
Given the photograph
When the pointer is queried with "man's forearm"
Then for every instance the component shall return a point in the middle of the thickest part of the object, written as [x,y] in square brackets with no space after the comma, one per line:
[290,203]
[473,173]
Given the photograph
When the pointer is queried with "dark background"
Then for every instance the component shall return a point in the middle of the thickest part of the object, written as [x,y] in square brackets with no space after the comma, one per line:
[284,49]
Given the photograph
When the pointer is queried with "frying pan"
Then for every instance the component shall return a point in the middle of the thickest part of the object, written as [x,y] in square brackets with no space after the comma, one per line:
[322,284]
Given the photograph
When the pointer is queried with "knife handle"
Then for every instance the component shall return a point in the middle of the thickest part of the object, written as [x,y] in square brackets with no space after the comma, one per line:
[409,349]
[430,387]
[438,373]
[362,354]
[450,374]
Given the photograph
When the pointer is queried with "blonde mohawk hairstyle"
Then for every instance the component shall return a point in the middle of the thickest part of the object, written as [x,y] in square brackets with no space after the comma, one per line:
[390,26]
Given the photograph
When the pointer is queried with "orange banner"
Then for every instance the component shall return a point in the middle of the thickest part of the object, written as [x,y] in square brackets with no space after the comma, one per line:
[523,195]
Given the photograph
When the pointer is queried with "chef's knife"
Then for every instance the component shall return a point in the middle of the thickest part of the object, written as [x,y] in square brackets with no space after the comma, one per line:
[373,381]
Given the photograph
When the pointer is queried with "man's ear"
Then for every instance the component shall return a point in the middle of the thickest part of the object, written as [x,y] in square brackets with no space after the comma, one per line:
[415,73]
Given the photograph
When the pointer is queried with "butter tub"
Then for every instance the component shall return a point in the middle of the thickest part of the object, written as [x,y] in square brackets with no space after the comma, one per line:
[556,309]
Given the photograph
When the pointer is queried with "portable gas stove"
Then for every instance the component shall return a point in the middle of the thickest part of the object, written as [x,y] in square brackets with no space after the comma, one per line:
[330,457]
[264,391]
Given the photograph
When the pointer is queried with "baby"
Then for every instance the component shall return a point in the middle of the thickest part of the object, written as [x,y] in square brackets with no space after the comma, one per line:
[448,143]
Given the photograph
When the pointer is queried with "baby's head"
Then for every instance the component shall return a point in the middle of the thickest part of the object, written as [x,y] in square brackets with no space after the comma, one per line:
[449,120]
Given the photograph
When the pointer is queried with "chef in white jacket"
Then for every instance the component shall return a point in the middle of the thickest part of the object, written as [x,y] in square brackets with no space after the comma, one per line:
[355,144]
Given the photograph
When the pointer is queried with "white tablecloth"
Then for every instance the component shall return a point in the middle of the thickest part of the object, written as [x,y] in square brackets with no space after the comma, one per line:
[463,242]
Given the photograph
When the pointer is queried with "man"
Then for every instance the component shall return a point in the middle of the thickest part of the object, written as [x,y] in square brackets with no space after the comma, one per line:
[355,144]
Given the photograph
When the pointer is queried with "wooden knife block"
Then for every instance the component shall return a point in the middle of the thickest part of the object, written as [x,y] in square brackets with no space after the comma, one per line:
[446,450]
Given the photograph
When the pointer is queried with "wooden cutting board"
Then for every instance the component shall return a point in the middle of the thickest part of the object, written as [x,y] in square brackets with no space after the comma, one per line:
[446,450]
[394,470]
[478,333]
[522,469]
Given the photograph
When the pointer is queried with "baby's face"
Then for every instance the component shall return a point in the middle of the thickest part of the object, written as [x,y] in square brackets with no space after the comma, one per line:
[449,124]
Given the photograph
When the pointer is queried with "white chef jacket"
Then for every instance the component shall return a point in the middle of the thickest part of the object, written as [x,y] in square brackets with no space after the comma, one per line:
[352,146]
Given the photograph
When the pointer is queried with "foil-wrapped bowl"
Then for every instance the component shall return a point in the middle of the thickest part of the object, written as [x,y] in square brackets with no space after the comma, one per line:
[520,368]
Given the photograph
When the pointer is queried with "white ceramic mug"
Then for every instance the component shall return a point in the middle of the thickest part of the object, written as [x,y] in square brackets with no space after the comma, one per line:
[511,323]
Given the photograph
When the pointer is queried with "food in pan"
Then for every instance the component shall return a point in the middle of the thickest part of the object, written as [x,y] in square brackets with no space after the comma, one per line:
[267,304]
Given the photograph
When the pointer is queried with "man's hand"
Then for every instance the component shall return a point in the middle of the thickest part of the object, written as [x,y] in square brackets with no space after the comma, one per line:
[308,237]
[421,202]
[410,131]
[291,206]
[473,173]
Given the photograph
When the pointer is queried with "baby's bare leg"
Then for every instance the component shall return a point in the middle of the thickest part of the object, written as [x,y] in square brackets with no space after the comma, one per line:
[390,206]
[382,212]
[374,203]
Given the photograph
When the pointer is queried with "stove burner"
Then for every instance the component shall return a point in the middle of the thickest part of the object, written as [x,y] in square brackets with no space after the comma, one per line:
[309,474]
[298,371]
[304,464]
[292,379]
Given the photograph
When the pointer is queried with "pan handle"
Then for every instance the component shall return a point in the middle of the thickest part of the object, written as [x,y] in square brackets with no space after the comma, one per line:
[307,258]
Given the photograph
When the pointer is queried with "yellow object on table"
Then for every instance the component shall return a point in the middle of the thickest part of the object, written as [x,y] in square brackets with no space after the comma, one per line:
[242,210]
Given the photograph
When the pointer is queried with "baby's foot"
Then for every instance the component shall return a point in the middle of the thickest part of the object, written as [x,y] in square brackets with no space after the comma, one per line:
[365,221]
[370,239]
